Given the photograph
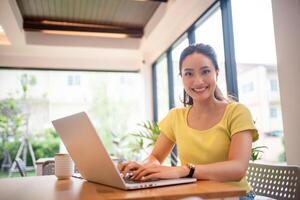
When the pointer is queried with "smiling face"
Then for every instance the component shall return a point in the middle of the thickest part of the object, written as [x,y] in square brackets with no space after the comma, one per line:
[199,77]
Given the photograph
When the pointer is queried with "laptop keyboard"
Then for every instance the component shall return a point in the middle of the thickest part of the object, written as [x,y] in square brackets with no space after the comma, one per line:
[131,181]
[128,180]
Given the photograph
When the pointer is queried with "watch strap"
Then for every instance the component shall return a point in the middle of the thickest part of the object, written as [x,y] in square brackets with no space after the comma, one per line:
[192,170]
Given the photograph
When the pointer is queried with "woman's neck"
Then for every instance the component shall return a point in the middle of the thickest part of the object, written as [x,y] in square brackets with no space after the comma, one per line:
[205,106]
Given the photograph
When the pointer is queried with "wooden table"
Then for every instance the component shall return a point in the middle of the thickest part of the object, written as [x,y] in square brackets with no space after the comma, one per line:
[49,188]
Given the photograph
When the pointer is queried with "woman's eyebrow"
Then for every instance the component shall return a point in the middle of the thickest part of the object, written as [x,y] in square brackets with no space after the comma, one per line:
[192,69]
[188,69]
[204,67]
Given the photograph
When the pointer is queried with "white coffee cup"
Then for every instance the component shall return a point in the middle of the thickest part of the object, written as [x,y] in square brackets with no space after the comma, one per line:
[64,166]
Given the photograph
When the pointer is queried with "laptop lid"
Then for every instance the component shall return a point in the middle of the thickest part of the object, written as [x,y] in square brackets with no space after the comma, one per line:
[91,158]
[87,150]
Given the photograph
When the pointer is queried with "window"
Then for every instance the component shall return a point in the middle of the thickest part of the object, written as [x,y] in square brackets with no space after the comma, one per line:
[73,80]
[162,87]
[274,86]
[111,99]
[248,87]
[256,62]
[273,112]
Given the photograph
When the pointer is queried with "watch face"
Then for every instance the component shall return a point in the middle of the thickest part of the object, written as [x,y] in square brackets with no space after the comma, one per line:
[190,166]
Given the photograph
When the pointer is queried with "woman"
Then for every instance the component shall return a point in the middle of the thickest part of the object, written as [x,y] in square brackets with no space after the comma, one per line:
[213,135]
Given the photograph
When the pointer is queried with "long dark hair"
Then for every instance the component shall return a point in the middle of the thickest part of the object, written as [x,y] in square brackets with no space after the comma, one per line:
[208,51]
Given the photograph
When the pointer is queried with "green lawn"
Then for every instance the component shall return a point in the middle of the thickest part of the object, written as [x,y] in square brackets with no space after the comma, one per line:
[15,174]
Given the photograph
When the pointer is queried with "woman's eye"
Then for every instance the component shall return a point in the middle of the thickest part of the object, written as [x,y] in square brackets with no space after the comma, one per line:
[206,71]
[187,74]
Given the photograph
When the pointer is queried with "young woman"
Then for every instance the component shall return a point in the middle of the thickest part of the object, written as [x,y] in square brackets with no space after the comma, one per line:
[213,135]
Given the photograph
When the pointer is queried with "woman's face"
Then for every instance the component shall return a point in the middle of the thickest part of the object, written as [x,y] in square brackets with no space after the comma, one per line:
[199,76]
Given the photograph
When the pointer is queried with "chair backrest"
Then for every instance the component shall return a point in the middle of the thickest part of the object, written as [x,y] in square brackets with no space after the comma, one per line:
[48,167]
[275,181]
[21,166]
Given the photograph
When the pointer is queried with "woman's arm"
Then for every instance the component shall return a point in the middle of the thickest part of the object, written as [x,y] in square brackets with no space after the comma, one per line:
[161,149]
[234,169]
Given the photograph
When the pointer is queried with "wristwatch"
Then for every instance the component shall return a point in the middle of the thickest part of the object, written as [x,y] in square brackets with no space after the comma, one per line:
[192,170]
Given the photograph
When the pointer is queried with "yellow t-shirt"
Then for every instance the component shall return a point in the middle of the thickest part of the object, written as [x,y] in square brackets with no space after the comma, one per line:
[211,145]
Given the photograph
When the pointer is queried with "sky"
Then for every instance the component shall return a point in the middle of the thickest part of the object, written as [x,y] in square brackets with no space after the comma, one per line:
[253,31]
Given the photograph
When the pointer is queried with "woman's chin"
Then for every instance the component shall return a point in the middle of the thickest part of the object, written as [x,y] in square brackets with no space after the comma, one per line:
[200,97]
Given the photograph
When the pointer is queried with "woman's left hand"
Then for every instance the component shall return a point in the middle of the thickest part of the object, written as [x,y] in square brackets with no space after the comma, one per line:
[159,172]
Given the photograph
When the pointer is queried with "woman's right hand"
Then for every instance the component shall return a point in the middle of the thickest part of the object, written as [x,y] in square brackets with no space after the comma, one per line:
[133,168]
[128,167]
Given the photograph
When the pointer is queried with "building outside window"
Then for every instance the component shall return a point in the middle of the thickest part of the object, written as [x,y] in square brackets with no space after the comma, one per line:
[248,87]
[273,112]
[257,63]
[73,80]
[274,85]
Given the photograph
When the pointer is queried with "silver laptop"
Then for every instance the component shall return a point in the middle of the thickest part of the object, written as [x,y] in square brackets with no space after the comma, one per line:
[92,160]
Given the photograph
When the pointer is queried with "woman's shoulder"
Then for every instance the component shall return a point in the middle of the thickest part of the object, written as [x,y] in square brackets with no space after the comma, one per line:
[236,109]
[175,115]
[233,105]
[178,111]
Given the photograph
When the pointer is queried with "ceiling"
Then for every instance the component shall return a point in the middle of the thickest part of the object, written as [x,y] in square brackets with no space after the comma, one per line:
[150,28]
[111,18]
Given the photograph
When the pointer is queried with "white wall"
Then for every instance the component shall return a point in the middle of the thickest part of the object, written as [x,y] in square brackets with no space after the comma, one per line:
[286,16]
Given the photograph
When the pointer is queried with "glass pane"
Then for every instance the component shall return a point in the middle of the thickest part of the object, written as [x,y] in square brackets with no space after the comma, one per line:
[257,72]
[162,87]
[178,87]
[210,32]
[112,100]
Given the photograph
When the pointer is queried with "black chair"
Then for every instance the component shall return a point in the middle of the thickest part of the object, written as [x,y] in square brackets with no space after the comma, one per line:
[275,181]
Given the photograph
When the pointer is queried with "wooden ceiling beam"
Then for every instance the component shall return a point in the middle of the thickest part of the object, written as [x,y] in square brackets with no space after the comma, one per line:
[39,25]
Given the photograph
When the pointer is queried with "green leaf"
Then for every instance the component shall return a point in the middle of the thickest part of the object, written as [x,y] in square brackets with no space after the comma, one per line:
[149,132]
[256,152]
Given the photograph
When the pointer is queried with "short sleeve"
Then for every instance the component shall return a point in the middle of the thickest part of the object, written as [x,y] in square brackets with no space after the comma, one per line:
[166,125]
[241,120]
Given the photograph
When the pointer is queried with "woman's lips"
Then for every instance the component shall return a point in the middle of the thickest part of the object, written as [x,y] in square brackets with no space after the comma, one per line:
[199,90]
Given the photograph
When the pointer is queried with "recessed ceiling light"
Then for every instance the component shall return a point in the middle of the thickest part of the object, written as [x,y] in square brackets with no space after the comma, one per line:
[3,39]
[91,34]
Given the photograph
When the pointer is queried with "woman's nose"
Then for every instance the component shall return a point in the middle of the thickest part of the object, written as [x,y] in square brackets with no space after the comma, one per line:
[198,79]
